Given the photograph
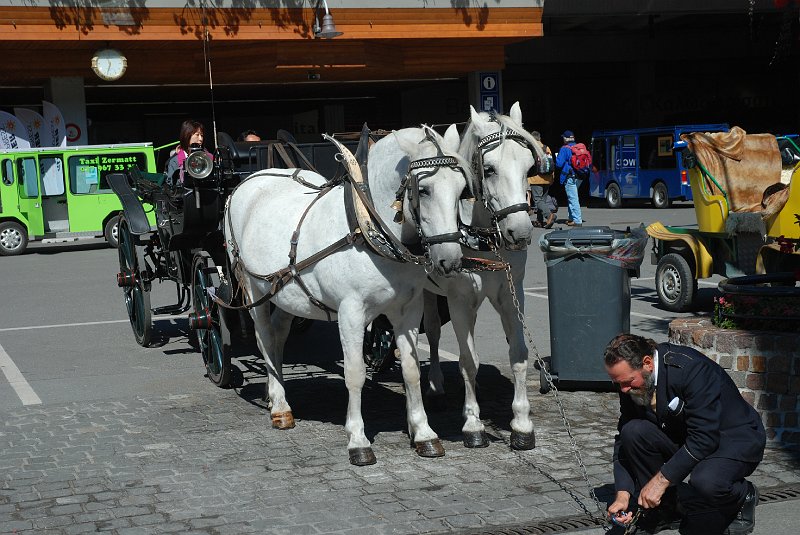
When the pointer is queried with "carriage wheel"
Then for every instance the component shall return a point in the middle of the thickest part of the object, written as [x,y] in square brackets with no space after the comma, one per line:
[137,296]
[380,345]
[208,321]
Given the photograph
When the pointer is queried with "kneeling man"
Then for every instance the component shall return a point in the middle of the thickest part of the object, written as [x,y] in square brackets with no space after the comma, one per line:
[681,415]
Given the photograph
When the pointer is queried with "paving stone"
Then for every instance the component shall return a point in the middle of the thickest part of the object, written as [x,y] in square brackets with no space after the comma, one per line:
[195,463]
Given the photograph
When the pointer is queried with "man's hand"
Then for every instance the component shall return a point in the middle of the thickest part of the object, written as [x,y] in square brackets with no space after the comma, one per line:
[650,495]
[618,511]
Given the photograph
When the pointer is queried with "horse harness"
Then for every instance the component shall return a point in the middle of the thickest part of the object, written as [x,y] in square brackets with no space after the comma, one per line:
[371,230]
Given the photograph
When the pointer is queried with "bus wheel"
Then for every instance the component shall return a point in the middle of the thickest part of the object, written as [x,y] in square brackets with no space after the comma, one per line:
[675,283]
[613,196]
[660,195]
[111,232]
[13,238]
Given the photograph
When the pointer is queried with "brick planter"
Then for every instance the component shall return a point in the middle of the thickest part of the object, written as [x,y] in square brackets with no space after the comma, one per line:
[764,365]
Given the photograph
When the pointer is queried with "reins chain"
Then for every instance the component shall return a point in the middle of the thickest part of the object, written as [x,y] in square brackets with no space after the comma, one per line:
[549,378]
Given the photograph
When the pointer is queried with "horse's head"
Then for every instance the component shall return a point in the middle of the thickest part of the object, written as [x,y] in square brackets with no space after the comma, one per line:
[437,175]
[502,152]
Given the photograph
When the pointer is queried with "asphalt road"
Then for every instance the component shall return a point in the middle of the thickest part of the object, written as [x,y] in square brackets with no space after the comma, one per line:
[145,430]
[65,327]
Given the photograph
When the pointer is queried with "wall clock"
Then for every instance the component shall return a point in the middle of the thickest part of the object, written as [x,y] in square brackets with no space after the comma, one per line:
[109,64]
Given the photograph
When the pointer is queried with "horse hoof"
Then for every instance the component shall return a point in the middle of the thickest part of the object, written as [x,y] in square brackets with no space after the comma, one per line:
[362,456]
[429,448]
[436,403]
[283,420]
[476,439]
[523,441]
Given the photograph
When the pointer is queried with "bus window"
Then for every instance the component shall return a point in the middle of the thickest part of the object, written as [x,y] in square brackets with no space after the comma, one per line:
[88,173]
[8,172]
[28,178]
[655,152]
[613,153]
[599,154]
[52,170]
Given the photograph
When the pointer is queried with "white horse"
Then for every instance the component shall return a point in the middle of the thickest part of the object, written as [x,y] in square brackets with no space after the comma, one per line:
[354,284]
[502,148]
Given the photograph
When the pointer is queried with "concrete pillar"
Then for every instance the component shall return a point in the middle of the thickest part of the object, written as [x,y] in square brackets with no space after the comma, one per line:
[68,94]
[486,90]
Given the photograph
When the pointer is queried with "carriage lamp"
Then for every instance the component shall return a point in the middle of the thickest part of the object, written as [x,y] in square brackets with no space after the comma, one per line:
[199,165]
[328,29]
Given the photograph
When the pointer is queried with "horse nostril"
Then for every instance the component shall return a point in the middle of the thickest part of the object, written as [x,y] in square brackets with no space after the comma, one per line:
[448,266]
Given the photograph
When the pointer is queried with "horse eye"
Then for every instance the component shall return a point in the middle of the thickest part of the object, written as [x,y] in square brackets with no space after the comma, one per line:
[424,191]
[488,170]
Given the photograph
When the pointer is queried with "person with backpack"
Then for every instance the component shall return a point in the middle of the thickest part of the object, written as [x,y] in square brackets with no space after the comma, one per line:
[539,181]
[574,162]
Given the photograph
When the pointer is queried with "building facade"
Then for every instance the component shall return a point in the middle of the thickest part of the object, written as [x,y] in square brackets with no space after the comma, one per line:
[268,64]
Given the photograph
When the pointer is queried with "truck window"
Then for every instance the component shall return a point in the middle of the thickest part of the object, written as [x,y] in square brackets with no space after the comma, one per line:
[88,173]
[655,152]
[28,178]
[52,169]
[8,172]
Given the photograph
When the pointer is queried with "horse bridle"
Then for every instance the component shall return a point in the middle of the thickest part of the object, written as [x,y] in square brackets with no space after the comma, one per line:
[490,237]
[485,145]
[411,186]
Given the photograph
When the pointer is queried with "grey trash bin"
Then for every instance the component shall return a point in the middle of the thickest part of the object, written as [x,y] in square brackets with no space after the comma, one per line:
[589,298]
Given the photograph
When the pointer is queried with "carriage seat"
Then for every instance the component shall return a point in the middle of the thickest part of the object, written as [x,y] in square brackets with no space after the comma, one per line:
[244,154]
[733,172]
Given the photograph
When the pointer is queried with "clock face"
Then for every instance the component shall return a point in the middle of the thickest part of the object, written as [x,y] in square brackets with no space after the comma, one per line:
[109,64]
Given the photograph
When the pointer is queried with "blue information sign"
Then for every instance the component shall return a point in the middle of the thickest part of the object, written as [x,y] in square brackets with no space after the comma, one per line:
[490,91]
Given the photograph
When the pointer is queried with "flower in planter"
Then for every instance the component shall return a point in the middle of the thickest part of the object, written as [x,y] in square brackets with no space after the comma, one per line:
[762,313]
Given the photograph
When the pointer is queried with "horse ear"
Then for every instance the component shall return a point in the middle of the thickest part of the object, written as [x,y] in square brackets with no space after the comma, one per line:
[516,113]
[407,145]
[474,115]
[451,139]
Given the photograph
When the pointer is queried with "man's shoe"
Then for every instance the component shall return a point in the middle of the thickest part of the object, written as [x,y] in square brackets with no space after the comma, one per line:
[550,221]
[745,520]
[574,224]
[659,519]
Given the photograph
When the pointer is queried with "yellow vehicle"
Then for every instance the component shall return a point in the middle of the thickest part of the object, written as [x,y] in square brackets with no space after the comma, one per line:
[725,241]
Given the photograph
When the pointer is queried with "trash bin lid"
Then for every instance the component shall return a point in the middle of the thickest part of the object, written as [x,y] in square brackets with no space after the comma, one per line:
[583,236]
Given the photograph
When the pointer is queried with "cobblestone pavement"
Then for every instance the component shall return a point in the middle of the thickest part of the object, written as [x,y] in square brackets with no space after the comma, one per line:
[207,462]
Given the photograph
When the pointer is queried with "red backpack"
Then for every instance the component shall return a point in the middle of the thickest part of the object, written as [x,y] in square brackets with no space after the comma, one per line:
[581,160]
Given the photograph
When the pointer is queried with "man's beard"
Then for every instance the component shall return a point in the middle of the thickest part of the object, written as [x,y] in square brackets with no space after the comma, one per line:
[642,396]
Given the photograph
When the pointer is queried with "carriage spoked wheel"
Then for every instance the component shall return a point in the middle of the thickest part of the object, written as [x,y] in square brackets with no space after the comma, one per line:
[380,345]
[135,290]
[208,321]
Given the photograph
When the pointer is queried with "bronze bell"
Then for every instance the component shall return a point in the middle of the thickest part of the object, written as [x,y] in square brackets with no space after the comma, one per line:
[397,206]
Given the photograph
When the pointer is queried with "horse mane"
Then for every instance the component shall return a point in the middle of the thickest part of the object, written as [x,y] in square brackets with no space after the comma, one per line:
[508,122]
[518,128]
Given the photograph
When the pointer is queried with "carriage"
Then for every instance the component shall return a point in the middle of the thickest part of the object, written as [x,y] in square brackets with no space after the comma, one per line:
[186,245]
[747,221]
[221,240]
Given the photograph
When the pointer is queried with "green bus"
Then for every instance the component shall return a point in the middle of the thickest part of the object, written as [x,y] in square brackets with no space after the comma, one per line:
[59,194]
